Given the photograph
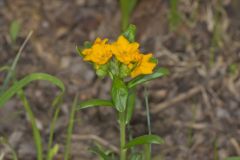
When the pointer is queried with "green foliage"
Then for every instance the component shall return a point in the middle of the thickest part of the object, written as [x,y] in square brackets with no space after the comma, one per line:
[146,139]
[127,7]
[174,16]
[130,33]
[94,103]
[80,49]
[36,132]
[144,78]
[102,71]
[233,158]
[52,152]
[119,94]
[103,154]
[25,81]
[14,30]
[11,70]
[136,156]
[147,147]
[130,104]
[124,71]
[70,128]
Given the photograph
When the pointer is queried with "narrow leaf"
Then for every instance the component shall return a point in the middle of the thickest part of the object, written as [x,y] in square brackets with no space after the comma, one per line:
[142,79]
[94,103]
[130,104]
[136,156]
[146,139]
[130,33]
[25,81]
[70,129]
[99,152]
[119,94]
[36,132]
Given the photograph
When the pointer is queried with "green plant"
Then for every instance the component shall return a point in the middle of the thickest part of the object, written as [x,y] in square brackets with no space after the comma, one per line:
[120,60]
[233,158]
[14,30]
[126,7]
[17,87]
[174,16]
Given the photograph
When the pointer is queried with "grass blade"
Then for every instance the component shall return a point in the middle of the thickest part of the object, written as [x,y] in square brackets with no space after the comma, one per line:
[146,139]
[56,106]
[147,147]
[25,81]
[70,128]
[94,103]
[144,78]
[14,64]
[36,132]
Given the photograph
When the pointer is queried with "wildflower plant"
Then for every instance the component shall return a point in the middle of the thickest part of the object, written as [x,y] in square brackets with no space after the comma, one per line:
[127,67]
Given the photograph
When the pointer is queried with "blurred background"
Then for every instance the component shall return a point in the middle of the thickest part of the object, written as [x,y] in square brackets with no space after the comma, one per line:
[195,109]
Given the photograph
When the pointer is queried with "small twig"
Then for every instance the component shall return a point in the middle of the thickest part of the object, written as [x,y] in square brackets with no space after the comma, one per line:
[98,139]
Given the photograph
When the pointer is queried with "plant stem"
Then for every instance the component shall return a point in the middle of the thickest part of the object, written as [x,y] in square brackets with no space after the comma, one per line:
[123,152]
[148,147]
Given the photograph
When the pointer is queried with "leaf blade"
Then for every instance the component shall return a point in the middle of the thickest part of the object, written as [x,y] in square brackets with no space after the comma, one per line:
[25,81]
[142,79]
[119,94]
[94,103]
[146,139]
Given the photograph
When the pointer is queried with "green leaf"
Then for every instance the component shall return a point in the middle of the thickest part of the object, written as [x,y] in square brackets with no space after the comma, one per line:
[119,94]
[53,151]
[146,139]
[130,33]
[36,132]
[233,158]
[174,16]
[144,78]
[100,153]
[25,81]
[79,51]
[102,71]
[127,7]
[136,156]
[15,27]
[124,71]
[130,104]
[67,147]
[94,103]
[11,70]
[85,46]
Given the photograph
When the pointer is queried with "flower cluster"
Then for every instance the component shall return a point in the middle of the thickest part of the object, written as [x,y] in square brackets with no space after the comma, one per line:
[125,52]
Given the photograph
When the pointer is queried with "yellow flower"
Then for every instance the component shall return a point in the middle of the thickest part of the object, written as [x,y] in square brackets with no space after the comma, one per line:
[144,66]
[125,51]
[99,53]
